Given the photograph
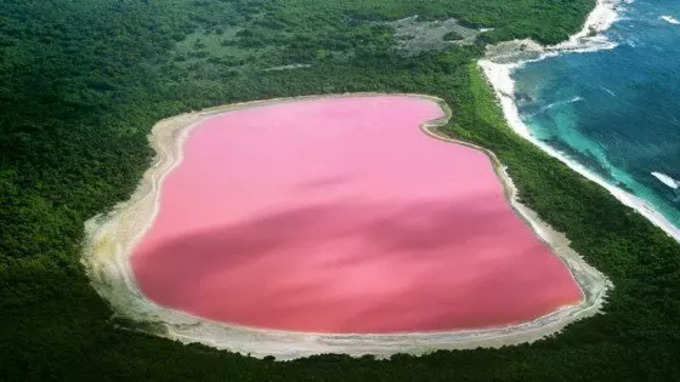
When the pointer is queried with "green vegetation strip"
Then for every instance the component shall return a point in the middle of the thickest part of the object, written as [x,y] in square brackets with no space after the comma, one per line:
[83,81]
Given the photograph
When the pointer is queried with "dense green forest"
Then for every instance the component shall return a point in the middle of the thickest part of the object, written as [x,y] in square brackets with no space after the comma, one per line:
[83,81]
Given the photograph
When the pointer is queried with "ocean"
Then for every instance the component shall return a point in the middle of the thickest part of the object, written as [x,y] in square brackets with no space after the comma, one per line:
[616,111]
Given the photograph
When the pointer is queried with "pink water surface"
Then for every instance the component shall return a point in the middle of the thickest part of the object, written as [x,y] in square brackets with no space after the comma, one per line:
[340,215]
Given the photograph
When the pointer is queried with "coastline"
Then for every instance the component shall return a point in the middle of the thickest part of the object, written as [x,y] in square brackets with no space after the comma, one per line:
[111,238]
[502,59]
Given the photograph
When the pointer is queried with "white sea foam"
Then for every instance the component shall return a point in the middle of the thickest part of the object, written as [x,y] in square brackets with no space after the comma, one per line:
[589,39]
[559,103]
[498,71]
[670,19]
[600,19]
[567,102]
[667,180]
[609,91]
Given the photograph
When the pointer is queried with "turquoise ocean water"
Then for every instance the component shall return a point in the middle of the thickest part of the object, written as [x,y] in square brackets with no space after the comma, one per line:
[616,111]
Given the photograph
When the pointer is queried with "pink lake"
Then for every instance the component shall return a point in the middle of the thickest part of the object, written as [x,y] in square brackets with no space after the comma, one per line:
[340,215]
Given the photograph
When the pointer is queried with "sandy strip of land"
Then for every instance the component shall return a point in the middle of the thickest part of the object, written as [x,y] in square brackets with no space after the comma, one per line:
[111,238]
[502,59]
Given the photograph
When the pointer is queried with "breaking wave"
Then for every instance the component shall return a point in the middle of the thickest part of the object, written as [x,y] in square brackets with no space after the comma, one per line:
[670,19]
[667,180]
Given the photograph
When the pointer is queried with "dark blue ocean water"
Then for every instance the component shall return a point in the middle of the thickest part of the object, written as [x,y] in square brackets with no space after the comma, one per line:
[616,111]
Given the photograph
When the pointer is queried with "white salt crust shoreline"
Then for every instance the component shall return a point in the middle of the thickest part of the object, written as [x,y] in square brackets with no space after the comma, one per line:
[110,239]
[504,58]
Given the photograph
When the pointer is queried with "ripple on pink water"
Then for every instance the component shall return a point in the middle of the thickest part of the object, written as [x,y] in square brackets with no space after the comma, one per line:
[340,215]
